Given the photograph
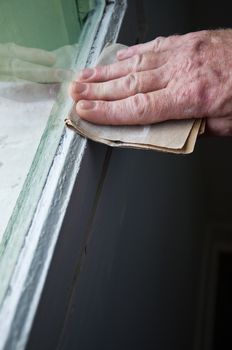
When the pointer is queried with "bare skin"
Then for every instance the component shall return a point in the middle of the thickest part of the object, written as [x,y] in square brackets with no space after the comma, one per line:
[178,77]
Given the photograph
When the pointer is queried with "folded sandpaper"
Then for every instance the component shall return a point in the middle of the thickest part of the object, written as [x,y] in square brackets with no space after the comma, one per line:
[174,136]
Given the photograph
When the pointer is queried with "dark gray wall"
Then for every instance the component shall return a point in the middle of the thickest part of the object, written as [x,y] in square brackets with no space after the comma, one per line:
[139,223]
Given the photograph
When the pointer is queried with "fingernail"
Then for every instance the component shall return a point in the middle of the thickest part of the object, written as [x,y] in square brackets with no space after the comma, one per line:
[85,74]
[79,87]
[87,104]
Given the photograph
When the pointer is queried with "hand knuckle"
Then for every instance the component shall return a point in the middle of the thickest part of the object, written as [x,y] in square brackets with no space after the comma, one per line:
[137,62]
[199,42]
[132,83]
[157,43]
[139,106]
[199,45]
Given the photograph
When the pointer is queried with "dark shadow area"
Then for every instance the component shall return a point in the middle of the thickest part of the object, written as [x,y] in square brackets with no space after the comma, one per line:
[223,309]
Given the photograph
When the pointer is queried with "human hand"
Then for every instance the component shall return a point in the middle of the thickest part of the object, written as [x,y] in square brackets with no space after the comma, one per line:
[178,77]
[36,65]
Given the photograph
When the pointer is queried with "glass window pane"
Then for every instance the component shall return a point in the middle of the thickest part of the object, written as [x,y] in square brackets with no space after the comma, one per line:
[45,24]
[42,43]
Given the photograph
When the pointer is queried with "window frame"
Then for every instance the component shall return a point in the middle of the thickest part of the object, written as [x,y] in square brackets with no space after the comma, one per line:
[25,259]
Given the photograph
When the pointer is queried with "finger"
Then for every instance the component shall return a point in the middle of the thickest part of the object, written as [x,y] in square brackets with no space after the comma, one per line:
[159,44]
[32,55]
[139,109]
[121,88]
[119,69]
[15,68]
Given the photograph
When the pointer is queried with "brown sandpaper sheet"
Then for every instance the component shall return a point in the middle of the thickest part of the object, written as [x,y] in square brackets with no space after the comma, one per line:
[174,136]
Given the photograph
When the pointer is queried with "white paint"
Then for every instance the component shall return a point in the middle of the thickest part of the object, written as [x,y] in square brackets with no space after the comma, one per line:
[40,224]
[24,111]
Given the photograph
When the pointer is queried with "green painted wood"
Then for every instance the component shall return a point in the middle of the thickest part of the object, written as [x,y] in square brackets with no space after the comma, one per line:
[46,24]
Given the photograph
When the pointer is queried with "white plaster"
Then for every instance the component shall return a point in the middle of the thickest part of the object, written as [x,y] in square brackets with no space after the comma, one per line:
[24,111]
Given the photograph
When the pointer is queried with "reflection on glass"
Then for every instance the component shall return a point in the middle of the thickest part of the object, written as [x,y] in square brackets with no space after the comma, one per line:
[38,43]
[21,63]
